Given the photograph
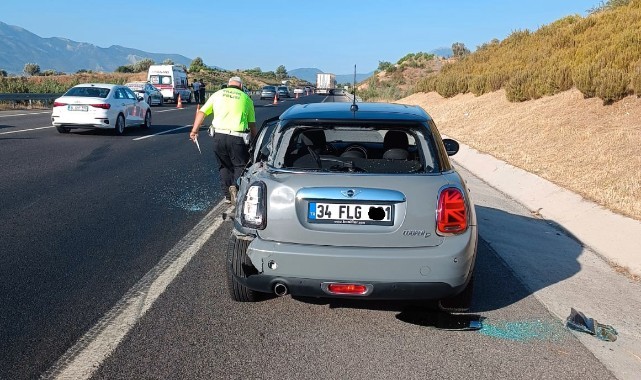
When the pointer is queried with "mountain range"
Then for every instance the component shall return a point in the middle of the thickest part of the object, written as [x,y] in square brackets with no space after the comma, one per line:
[19,46]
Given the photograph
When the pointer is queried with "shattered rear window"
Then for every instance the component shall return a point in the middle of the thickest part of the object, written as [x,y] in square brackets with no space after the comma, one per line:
[379,149]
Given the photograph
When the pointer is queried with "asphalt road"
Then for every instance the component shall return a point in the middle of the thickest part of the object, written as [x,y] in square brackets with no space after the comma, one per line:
[86,216]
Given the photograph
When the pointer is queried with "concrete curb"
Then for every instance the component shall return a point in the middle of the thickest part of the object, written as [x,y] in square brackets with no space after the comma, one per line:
[614,237]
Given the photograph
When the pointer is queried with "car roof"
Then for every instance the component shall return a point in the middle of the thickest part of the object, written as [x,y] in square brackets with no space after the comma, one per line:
[366,111]
[136,82]
[103,85]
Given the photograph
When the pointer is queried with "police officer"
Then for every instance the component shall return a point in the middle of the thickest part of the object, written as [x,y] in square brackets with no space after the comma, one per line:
[234,123]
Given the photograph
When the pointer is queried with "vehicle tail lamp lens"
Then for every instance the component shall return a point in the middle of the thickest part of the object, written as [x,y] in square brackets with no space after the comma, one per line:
[104,106]
[357,289]
[59,104]
[254,207]
[451,215]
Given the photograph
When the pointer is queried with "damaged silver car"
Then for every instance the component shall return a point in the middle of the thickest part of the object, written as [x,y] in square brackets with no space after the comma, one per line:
[348,200]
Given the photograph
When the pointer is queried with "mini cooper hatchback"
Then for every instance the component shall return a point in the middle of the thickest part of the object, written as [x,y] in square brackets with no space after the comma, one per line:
[353,201]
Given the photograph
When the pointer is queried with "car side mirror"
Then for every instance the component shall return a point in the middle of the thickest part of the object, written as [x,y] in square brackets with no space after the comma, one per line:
[451,146]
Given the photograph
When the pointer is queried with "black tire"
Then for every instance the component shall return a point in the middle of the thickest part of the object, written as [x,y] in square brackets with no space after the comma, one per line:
[120,125]
[147,122]
[239,264]
[63,129]
[461,302]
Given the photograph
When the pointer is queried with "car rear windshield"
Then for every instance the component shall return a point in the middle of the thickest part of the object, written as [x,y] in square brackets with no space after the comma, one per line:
[93,92]
[380,148]
[269,88]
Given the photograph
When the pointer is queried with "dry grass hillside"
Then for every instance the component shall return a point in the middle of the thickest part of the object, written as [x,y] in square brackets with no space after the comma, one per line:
[576,143]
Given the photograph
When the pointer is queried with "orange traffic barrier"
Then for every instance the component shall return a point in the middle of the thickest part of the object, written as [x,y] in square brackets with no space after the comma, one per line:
[180,102]
[276,98]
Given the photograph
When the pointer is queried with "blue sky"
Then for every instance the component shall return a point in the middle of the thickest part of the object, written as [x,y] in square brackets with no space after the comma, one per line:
[331,35]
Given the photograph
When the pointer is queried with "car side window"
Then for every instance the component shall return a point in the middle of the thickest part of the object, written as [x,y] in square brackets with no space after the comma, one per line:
[129,94]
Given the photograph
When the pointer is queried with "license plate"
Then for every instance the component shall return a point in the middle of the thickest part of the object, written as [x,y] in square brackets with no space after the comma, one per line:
[73,107]
[342,213]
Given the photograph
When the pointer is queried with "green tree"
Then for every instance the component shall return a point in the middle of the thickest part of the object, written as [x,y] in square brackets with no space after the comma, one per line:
[196,65]
[459,50]
[384,65]
[281,72]
[142,65]
[125,69]
[31,69]
[3,73]
[167,62]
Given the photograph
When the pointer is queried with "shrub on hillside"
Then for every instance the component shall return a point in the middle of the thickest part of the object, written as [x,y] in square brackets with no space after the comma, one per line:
[478,85]
[447,85]
[635,79]
[426,84]
[517,89]
[583,77]
[611,85]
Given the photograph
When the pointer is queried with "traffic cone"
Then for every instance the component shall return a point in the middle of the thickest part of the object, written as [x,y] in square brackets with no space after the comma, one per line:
[180,102]
[297,95]
[276,98]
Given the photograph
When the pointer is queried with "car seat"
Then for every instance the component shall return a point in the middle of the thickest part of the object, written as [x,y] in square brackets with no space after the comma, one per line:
[395,144]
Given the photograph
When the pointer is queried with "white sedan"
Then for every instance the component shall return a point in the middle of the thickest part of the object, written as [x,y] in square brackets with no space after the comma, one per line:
[100,105]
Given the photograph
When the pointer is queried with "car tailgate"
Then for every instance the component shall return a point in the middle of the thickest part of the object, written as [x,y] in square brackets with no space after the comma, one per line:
[364,210]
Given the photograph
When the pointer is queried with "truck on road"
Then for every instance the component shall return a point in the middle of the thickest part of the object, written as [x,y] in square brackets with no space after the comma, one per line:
[325,83]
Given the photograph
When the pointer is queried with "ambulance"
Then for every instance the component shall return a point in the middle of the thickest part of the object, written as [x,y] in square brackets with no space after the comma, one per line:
[171,80]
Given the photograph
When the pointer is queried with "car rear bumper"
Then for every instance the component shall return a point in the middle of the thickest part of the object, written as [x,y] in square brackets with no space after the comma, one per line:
[306,287]
[394,273]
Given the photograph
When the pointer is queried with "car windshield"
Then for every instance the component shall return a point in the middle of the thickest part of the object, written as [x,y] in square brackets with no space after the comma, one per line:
[268,88]
[376,148]
[92,92]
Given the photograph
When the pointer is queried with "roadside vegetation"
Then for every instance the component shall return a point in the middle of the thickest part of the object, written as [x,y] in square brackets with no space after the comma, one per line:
[563,102]
[36,81]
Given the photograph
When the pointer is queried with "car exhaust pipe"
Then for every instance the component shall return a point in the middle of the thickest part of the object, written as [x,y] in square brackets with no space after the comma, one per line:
[280,289]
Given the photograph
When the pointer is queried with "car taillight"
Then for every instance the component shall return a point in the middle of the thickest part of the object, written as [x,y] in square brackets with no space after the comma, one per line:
[59,104]
[451,214]
[104,106]
[253,211]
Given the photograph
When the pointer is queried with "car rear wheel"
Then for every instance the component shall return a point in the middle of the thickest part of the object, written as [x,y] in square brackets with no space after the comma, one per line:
[120,125]
[238,264]
[63,129]
[147,123]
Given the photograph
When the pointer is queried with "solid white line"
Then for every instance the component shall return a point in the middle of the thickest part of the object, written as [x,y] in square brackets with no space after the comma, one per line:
[161,133]
[25,114]
[26,130]
[86,356]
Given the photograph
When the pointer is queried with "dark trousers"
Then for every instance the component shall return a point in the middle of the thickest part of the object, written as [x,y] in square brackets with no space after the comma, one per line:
[202,95]
[197,96]
[232,155]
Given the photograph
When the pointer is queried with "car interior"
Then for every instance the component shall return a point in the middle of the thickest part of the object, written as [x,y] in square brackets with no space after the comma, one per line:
[364,150]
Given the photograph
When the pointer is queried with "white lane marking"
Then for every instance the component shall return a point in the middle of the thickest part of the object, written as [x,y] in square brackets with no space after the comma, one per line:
[26,130]
[25,114]
[161,133]
[86,356]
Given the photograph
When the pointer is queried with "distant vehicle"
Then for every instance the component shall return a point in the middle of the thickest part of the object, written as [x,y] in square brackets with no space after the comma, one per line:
[268,92]
[325,83]
[102,106]
[338,202]
[298,91]
[148,92]
[283,91]
[171,80]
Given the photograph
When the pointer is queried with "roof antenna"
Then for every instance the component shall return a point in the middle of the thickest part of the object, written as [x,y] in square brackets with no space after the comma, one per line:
[354,107]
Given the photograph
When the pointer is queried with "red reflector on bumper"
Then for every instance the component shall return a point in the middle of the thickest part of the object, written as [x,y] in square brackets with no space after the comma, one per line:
[357,289]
